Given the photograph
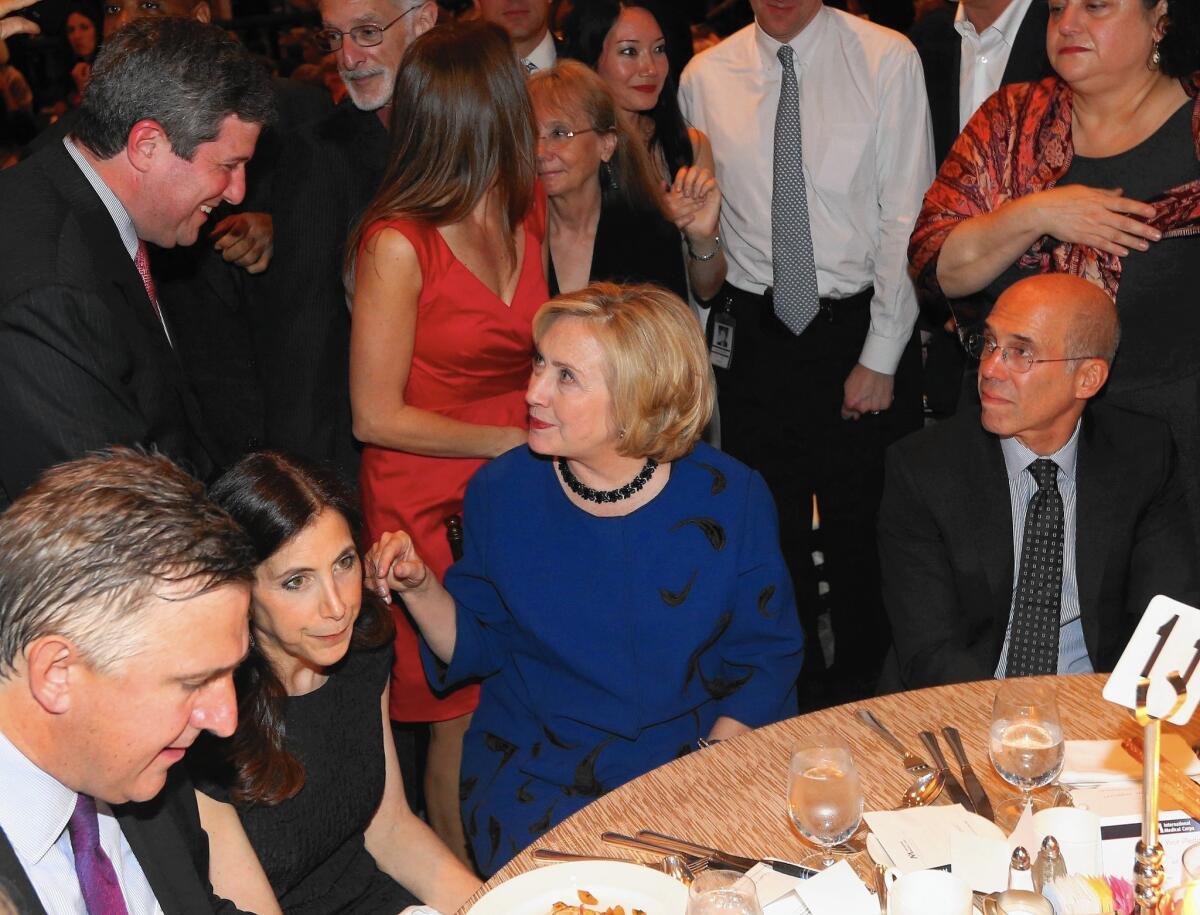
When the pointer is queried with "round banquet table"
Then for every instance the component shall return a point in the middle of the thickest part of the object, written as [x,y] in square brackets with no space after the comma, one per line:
[732,795]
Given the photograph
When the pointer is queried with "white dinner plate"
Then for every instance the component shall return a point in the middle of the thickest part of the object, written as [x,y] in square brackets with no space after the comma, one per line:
[611,882]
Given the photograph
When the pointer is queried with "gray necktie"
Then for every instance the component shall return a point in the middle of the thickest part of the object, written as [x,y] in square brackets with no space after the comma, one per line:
[796,300]
[1033,642]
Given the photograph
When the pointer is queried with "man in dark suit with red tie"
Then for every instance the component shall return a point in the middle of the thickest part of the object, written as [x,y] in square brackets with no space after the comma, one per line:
[1027,536]
[124,600]
[170,118]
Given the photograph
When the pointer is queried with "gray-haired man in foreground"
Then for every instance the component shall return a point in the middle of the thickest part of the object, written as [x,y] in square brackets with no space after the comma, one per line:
[124,600]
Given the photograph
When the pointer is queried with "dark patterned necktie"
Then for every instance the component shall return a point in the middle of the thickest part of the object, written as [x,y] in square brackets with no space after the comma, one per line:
[1033,642]
[795,271]
[97,879]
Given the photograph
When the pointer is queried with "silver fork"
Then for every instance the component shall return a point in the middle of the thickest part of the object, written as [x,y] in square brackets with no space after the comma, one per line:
[912,762]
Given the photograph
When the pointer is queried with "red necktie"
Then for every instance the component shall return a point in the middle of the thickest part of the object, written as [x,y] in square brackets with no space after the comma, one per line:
[142,262]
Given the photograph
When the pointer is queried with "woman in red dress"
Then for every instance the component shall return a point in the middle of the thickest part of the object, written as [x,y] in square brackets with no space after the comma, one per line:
[449,271]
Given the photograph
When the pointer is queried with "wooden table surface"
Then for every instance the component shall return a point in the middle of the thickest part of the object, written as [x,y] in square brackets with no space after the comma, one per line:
[732,795]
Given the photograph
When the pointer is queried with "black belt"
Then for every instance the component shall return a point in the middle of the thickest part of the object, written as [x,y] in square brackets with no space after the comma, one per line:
[831,309]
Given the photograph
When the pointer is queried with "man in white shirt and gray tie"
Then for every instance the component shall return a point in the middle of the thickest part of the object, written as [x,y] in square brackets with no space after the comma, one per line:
[819,124]
[124,603]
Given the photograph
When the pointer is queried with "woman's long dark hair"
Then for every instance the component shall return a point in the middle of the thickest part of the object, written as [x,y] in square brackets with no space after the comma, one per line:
[462,124]
[584,31]
[274,497]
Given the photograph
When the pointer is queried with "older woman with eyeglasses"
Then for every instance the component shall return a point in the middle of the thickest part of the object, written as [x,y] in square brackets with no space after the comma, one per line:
[1094,172]
[623,594]
[607,215]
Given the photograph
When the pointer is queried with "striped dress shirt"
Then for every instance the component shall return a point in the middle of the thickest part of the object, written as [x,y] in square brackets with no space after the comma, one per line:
[34,810]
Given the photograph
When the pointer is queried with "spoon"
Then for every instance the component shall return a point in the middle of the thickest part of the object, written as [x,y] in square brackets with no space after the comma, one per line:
[924,790]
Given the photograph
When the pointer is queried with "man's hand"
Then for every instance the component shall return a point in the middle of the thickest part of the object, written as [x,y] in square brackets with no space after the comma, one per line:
[866,391]
[16,25]
[244,239]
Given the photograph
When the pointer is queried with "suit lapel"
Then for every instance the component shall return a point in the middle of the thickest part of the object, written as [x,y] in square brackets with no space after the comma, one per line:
[1028,61]
[15,881]
[165,859]
[992,516]
[1097,476]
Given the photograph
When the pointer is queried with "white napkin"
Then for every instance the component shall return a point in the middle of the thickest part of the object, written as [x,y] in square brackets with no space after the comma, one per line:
[419,910]
[1092,762]
[837,891]
[920,838]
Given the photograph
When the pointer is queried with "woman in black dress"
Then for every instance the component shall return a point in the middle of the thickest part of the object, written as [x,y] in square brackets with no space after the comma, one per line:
[304,805]
[607,217]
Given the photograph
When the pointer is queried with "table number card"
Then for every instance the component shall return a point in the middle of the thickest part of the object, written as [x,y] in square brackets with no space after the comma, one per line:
[1165,644]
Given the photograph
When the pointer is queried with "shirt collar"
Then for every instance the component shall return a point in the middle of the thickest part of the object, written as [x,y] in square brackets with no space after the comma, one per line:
[1007,23]
[1017,457]
[544,55]
[120,216]
[34,806]
[803,44]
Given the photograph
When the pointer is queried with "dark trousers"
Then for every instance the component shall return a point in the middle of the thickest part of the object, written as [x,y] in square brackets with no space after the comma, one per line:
[781,414]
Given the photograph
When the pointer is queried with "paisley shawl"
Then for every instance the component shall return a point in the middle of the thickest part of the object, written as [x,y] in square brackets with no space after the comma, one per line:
[1018,143]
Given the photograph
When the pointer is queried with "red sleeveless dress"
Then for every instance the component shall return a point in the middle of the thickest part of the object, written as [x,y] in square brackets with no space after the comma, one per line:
[471,362]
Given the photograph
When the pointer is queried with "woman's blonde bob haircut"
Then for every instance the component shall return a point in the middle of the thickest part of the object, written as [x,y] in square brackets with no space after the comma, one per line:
[656,364]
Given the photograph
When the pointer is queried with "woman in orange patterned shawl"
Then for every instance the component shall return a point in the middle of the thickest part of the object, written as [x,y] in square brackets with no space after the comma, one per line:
[1095,172]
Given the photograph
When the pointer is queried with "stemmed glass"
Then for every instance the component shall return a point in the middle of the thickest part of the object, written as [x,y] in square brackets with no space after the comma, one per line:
[1026,743]
[722,892]
[825,799]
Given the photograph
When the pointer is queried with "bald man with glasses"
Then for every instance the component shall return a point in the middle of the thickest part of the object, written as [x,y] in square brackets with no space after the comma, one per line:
[1026,536]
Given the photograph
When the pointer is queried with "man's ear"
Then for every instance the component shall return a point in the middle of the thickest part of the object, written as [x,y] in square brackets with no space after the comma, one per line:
[146,142]
[1090,378]
[425,18]
[202,12]
[51,664]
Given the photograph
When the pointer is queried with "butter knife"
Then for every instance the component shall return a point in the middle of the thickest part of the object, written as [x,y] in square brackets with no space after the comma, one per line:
[953,787]
[979,798]
[658,840]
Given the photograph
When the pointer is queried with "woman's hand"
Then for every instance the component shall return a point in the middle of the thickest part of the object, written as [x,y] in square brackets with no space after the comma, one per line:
[80,74]
[693,203]
[392,564]
[1098,217]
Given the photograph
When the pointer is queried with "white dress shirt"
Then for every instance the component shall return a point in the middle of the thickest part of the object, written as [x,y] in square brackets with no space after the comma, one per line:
[34,810]
[984,56]
[868,159]
[543,57]
[1072,650]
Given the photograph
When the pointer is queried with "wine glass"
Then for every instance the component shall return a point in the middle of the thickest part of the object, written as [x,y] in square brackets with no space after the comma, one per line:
[1026,743]
[722,892]
[825,799]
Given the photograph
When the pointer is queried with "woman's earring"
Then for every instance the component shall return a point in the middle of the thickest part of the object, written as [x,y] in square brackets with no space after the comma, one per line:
[1155,56]
[608,180]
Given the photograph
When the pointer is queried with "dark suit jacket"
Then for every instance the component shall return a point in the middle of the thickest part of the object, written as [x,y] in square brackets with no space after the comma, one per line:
[940,47]
[300,325]
[166,837]
[946,542]
[84,362]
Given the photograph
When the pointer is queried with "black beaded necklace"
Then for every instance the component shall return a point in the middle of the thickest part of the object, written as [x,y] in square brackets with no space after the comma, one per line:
[607,495]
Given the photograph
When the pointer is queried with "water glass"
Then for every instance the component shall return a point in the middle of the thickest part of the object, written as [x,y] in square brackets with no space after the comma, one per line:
[1026,743]
[825,799]
[722,892]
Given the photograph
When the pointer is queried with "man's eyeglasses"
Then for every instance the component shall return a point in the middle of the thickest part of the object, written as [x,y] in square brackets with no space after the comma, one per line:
[365,36]
[558,137]
[981,346]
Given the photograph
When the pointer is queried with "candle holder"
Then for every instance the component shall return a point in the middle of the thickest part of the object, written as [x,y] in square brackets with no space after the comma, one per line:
[1148,871]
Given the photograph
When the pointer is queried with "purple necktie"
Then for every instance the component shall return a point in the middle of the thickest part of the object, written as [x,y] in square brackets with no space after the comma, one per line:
[97,879]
